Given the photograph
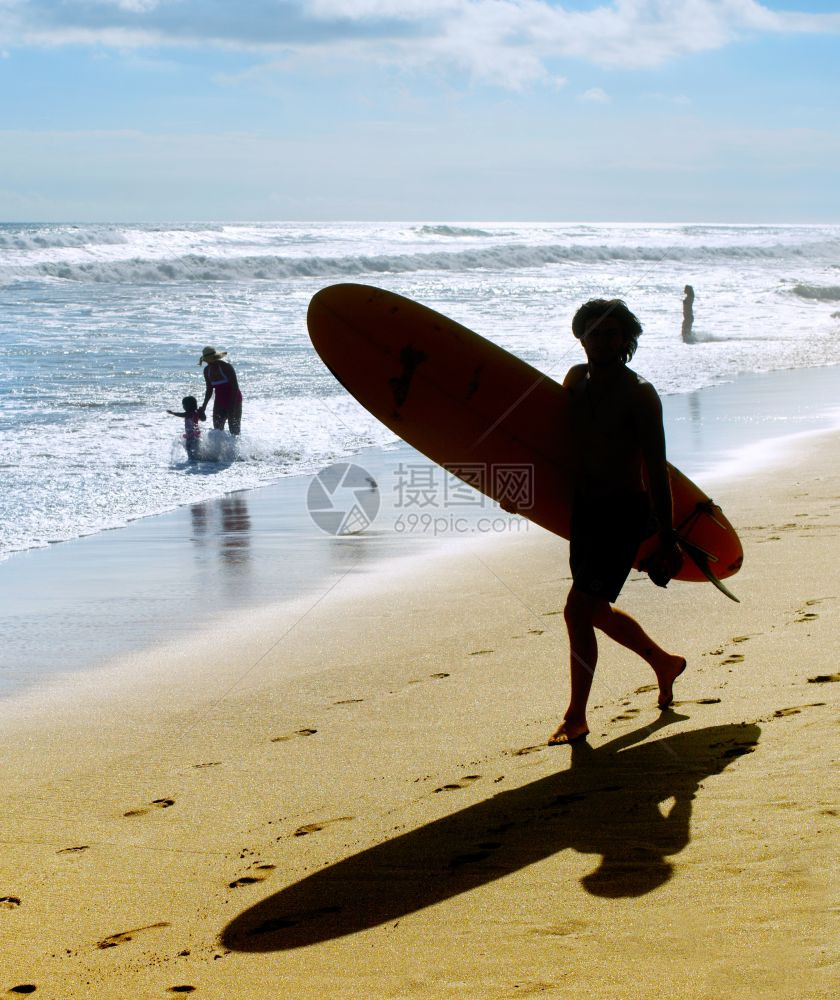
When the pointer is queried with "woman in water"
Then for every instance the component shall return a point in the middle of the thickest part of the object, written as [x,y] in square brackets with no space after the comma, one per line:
[223,386]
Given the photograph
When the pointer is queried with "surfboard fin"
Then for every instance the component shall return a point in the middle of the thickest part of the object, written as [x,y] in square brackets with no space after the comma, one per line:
[702,560]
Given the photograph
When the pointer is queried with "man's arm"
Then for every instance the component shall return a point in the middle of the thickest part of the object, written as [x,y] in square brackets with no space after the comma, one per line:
[652,441]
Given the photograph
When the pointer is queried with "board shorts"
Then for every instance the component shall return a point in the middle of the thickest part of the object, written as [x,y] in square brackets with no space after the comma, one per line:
[605,536]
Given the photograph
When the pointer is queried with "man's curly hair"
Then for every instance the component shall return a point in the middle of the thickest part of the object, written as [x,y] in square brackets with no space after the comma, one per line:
[590,313]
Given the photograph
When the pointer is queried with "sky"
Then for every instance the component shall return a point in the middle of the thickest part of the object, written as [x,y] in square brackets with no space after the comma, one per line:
[448,110]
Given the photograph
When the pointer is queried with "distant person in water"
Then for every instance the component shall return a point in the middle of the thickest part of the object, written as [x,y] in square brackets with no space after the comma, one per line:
[223,386]
[688,315]
[622,494]
[192,432]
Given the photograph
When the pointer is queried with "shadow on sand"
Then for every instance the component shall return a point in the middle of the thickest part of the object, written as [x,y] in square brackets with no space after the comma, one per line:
[607,803]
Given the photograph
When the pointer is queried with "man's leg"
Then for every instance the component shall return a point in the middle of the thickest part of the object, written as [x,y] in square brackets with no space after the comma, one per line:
[580,613]
[627,632]
[584,613]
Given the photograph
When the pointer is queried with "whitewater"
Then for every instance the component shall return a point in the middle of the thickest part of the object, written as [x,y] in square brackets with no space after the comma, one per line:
[101,328]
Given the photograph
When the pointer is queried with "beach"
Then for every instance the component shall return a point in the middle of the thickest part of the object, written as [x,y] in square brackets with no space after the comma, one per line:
[344,789]
[245,756]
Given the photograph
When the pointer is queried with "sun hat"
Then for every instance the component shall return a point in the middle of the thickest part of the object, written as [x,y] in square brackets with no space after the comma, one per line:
[211,354]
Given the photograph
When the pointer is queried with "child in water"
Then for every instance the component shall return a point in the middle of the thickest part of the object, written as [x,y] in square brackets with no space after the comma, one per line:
[192,432]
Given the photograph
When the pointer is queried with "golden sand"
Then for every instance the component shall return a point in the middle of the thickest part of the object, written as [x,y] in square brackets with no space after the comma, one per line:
[352,797]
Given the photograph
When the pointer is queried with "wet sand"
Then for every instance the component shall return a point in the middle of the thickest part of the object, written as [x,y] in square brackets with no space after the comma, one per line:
[347,792]
[161,578]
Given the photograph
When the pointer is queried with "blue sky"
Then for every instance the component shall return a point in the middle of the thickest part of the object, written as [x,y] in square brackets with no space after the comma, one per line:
[629,110]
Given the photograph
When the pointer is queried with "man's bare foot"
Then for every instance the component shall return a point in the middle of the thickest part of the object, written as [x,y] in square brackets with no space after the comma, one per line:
[567,732]
[666,673]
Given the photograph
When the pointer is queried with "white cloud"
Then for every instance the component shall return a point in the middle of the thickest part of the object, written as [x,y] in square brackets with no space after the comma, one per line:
[595,95]
[513,43]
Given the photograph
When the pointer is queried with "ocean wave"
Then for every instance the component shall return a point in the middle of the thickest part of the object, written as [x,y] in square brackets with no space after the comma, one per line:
[452,231]
[498,258]
[59,237]
[822,293]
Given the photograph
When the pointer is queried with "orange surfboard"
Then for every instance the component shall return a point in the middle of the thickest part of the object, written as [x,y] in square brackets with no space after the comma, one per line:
[486,416]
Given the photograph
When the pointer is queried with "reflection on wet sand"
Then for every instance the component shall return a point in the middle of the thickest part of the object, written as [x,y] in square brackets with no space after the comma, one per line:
[226,524]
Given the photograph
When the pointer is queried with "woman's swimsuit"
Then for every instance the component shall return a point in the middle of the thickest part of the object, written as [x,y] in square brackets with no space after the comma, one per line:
[227,402]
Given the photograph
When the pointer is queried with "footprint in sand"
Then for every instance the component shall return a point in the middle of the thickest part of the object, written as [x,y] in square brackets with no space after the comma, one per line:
[73,850]
[24,988]
[181,989]
[824,679]
[481,652]
[628,714]
[481,853]
[735,748]
[523,751]
[734,658]
[780,713]
[349,701]
[281,923]
[807,616]
[210,763]
[252,879]
[154,804]
[9,902]
[307,828]
[646,688]
[237,883]
[565,929]
[124,936]
[294,735]
[467,780]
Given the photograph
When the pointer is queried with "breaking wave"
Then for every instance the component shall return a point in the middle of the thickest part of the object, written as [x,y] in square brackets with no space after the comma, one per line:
[39,237]
[209,268]
[822,293]
[452,231]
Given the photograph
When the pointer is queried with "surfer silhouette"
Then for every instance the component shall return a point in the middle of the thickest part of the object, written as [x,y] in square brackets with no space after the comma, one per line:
[688,315]
[621,494]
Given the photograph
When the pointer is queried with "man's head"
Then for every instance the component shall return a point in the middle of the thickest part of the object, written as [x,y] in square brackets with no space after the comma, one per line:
[609,315]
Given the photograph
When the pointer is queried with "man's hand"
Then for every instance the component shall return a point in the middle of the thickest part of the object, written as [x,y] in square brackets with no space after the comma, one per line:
[666,561]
